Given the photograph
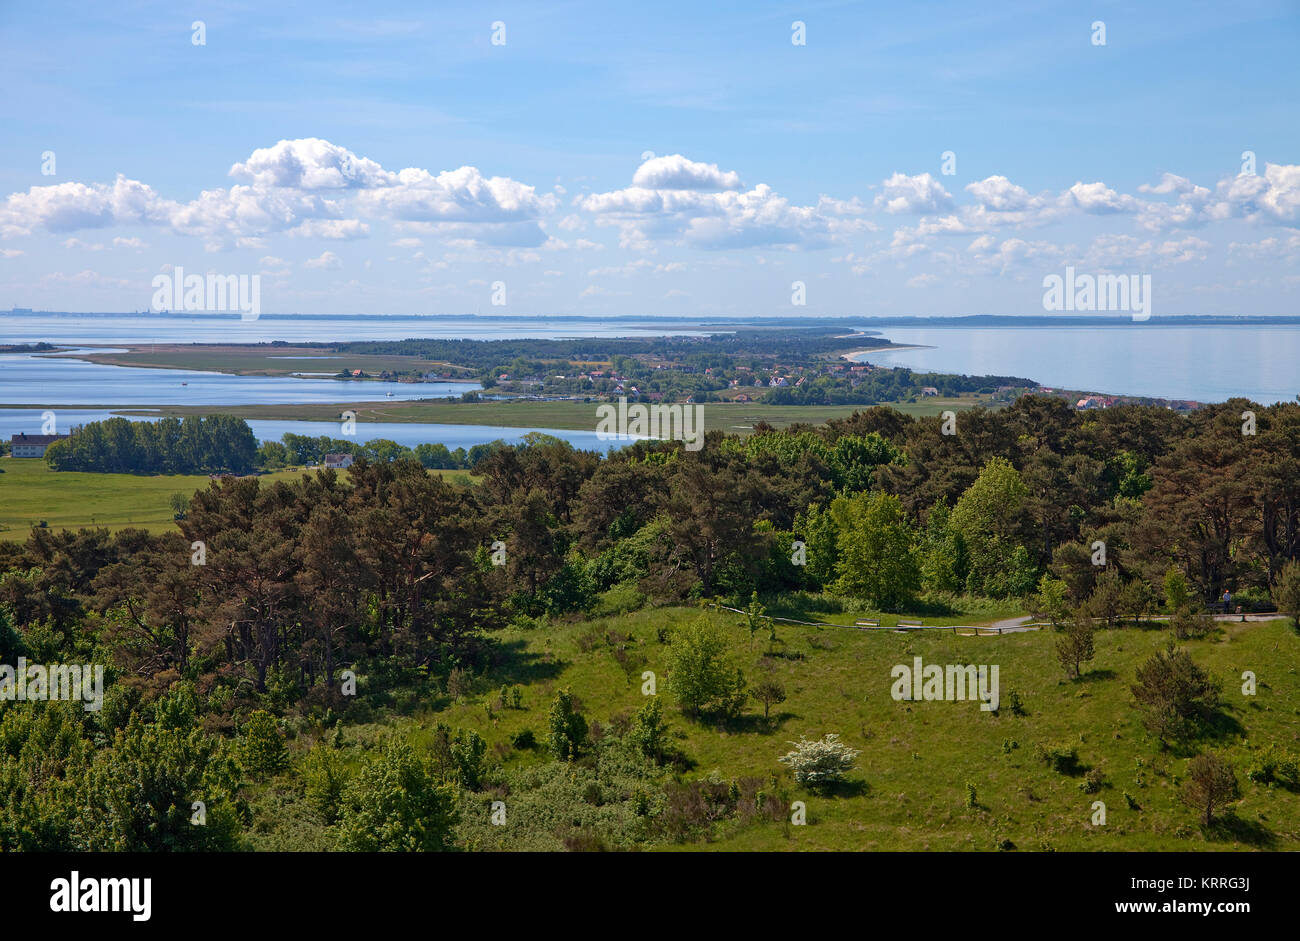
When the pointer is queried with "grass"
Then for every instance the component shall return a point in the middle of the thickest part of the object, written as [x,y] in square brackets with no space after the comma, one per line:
[267,361]
[736,418]
[30,492]
[909,792]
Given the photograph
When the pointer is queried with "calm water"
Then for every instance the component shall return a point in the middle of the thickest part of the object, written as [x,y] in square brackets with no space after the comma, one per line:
[30,379]
[1203,363]
[1207,363]
[212,328]
[13,421]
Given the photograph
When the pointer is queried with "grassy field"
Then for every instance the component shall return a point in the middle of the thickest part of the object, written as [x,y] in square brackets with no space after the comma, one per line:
[266,360]
[737,418]
[31,492]
[909,792]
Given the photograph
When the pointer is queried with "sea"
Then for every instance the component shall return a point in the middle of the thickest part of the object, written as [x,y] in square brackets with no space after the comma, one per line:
[1197,362]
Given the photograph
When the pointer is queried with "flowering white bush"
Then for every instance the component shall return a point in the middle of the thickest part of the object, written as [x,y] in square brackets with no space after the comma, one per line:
[820,761]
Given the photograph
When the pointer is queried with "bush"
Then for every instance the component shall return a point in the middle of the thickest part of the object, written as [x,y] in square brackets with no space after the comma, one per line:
[700,672]
[325,778]
[1063,759]
[819,762]
[1272,765]
[395,805]
[264,752]
[524,740]
[621,599]
[568,727]
[1092,782]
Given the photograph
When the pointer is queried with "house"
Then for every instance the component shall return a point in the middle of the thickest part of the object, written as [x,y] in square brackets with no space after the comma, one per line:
[24,445]
[929,390]
[338,461]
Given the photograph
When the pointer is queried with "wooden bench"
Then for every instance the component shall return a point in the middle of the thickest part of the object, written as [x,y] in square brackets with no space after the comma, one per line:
[867,622]
[909,624]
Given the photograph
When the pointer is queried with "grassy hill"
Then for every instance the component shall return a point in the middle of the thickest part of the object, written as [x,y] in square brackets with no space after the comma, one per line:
[909,791]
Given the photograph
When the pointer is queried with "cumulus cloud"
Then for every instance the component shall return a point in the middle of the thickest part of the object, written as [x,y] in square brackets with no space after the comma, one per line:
[921,193]
[675,172]
[304,187]
[696,213]
[310,164]
[1098,198]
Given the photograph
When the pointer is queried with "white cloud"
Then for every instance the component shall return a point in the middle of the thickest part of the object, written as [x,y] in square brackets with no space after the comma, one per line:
[675,172]
[327,261]
[920,193]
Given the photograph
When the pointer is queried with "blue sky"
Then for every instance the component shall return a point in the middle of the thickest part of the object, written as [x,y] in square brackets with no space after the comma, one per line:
[670,158]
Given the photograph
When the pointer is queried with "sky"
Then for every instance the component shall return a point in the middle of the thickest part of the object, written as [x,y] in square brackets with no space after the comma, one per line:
[696,159]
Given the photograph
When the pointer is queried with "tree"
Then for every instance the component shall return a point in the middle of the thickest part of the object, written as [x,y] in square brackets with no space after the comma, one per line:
[395,804]
[264,752]
[179,503]
[754,616]
[1286,593]
[568,727]
[648,732]
[1176,591]
[467,751]
[1076,647]
[1049,602]
[138,795]
[875,559]
[769,692]
[700,671]
[1211,783]
[1173,693]
[325,778]
[819,762]
[1106,601]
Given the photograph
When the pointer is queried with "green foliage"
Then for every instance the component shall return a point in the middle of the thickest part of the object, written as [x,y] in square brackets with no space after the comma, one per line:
[468,750]
[567,727]
[701,672]
[138,795]
[193,445]
[1063,759]
[649,733]
[264,752]
[394,804]
[1174,694]
[1210,785]
[325,778]
[1049,602]
[874,556]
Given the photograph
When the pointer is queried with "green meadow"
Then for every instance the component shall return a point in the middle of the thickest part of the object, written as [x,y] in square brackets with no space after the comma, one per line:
[910,788]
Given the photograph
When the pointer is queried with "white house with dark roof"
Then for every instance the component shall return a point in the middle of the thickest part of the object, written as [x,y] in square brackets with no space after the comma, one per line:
[25,445]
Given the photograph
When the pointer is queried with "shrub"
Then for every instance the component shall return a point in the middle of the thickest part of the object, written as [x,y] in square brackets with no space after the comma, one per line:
[395,805]
[264,752]
[524,740]
[568,727]
[822,761]
[1063,759]
[700,672]
[325,778]
[1272,765]
[467,751]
